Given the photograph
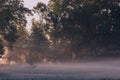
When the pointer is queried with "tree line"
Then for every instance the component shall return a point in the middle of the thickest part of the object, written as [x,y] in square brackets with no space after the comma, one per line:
[66,29]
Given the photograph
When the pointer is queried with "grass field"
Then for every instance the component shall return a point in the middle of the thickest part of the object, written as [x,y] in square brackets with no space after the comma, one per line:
[108,69]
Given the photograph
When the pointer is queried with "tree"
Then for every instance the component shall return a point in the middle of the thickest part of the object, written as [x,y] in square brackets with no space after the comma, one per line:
[38,36]
[74,21]
[12,14]
[85,22]
[40,27]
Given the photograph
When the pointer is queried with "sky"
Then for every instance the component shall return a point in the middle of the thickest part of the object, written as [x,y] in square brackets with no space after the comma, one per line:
[30,4]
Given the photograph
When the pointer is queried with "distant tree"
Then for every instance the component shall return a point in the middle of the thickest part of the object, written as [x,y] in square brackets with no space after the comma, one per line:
[39,43]
[39,40]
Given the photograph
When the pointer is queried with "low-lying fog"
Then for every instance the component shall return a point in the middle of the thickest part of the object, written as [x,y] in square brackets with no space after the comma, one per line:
[106,68]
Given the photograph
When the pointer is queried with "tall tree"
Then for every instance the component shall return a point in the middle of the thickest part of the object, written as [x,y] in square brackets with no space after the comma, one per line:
[12,14]
[74,21]
[85,22]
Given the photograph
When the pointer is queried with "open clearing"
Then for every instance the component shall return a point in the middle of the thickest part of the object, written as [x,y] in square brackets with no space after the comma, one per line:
[107,69]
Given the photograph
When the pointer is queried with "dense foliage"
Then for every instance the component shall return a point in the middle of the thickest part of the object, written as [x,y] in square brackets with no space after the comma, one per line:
[12,19]
[86,23]
[66,29]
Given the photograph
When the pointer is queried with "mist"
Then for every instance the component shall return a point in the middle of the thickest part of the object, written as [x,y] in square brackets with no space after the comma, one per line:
[64,40]
[87,70]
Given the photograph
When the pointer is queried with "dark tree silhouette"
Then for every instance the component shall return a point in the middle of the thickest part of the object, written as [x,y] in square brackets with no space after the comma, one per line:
[93,23]
[12,14]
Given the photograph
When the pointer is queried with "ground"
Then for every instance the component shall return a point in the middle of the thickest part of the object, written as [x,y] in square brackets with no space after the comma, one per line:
[105,69]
